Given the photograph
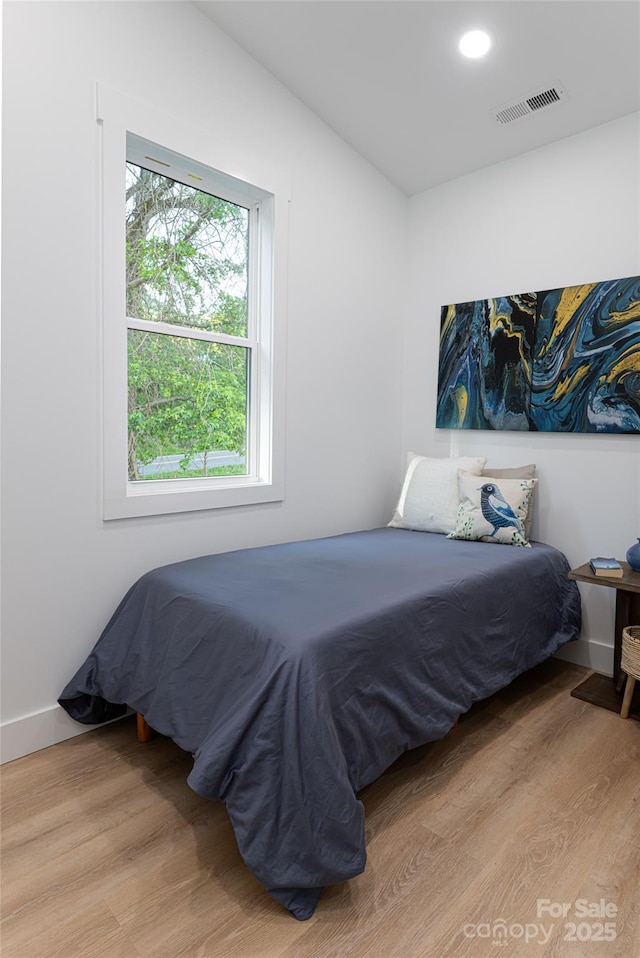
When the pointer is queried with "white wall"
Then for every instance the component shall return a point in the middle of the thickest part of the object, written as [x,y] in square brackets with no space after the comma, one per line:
[566,214]
[64,569]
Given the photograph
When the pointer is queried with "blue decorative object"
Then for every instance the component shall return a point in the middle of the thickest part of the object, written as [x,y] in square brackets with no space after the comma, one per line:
[633,556]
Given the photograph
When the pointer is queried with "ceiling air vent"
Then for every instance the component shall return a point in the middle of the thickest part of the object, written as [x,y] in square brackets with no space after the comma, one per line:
[533,103]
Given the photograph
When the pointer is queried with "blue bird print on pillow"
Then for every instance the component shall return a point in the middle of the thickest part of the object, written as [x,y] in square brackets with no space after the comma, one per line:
[497,510]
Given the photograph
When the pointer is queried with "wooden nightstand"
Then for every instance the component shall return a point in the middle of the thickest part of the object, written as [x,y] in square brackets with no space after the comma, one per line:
[601,689]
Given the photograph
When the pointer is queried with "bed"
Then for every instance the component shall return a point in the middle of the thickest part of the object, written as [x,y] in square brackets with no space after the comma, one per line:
[297,673]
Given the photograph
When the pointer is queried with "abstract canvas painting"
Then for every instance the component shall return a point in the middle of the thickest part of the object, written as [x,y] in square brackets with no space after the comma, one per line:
[561,360]
[486,353]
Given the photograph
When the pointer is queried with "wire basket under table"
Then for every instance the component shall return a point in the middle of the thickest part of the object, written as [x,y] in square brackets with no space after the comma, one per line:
[630,664]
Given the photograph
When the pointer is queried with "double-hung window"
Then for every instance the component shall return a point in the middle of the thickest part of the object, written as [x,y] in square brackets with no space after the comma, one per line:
[192,399]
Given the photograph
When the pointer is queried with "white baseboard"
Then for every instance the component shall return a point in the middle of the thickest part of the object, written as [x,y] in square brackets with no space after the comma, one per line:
[30,733]
[591,654]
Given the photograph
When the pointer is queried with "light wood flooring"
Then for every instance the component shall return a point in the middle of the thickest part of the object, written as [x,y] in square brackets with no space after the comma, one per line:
[535,795]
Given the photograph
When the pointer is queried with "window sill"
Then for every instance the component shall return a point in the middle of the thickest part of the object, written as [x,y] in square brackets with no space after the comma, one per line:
[144,501]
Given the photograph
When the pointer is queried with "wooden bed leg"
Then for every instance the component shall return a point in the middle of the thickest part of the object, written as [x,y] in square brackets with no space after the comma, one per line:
[145,732]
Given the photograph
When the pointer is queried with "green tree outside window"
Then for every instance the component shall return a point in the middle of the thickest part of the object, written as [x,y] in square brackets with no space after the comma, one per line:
[187,266]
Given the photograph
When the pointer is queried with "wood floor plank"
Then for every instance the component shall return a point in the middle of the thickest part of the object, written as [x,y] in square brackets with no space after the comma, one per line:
[535,795]
[91,933]
[506,776]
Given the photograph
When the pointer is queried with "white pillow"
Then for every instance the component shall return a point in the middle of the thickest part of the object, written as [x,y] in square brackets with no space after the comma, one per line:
[429,498]
[492,509]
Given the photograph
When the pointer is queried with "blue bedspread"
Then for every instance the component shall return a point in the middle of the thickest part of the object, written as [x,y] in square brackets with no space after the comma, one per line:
[296,674]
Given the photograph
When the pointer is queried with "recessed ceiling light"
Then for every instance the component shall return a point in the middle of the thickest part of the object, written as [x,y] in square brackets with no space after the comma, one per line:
[475,44]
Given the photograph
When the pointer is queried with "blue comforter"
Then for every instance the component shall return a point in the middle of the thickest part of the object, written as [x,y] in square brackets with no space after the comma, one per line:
[296,674]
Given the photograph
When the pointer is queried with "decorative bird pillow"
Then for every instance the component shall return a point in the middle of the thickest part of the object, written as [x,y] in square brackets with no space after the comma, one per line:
[493,510]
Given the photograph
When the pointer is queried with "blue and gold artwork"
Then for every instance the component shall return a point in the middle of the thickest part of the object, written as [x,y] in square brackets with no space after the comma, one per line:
[586,373]
[486,351]
[562,360]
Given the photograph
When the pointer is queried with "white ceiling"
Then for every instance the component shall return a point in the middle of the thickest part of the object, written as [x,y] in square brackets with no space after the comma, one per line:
[386,75]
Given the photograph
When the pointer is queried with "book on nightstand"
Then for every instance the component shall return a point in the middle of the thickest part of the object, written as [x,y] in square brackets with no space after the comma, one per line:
[609,568]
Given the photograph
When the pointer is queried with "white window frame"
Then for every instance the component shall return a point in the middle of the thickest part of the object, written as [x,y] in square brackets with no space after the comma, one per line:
[126,126]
